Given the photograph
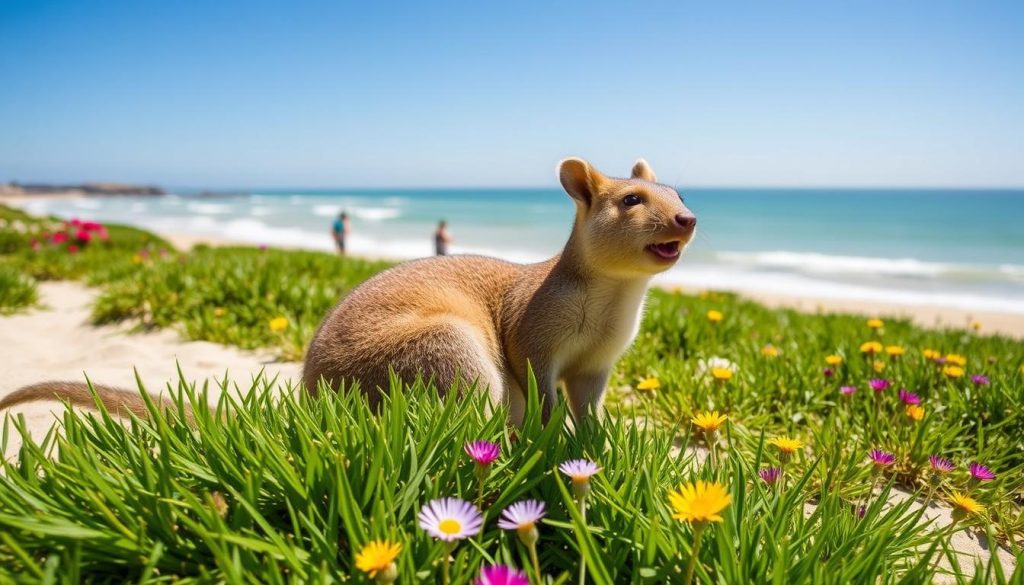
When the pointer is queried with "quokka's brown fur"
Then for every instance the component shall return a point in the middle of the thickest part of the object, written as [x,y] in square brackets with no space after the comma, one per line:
[482,320]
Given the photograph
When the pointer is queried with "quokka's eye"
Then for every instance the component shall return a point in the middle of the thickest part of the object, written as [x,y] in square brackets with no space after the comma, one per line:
[632,199]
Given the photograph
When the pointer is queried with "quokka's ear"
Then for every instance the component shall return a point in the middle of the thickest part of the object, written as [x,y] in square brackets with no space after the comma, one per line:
[642,170]
[580,180]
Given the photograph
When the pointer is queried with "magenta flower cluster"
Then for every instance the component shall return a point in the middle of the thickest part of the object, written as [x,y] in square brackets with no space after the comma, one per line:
[881,458]
[907,397]
[483,452]
[941,464]
[879,384]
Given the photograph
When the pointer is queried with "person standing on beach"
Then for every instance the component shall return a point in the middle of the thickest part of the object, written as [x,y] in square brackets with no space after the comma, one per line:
[441,239]
[340,232]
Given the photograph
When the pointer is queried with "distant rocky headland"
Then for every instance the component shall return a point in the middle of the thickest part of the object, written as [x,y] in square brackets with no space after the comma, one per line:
[85,189]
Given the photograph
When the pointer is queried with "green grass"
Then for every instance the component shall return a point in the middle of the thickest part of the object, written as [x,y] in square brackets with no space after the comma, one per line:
[17,291]
[134,504]
[304,482]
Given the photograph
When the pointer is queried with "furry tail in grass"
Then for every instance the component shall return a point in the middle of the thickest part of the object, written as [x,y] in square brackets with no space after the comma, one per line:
[117,401]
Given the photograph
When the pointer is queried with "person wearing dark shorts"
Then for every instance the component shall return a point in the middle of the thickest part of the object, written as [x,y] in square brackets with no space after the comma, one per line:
[441,239]
[340,232]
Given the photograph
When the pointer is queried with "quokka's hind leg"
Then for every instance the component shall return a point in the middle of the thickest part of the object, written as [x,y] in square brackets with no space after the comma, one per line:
[443,348]
[449,349]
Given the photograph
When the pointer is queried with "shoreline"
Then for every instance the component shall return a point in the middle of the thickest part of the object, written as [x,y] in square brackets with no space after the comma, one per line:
[928,316]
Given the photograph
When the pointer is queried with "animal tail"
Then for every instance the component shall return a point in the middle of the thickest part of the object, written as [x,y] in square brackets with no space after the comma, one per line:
[116,400]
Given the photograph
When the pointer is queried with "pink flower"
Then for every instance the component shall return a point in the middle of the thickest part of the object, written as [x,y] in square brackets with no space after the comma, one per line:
[59,238]
[881,458]
[501,575]
[83,236]
[980,380]
[847,390]
[909,397]
[483,452]
[980,473]
[828,372]
[940,464]
[878,384]
[72,249]
[770,475]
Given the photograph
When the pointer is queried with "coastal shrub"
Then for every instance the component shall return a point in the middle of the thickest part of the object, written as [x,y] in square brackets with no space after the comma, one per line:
[17,291]
[231,295]
[276,488]
[48,248]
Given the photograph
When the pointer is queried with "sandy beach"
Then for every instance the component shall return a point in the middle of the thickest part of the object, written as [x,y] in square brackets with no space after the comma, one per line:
[57,342]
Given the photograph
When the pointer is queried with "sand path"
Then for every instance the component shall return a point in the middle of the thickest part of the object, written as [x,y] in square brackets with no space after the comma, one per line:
[57,342]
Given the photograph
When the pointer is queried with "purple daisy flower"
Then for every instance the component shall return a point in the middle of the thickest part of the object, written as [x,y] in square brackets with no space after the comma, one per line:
[847,390]
[981,473]
[770,475]
[450,519]
[483,452]
[501,575]
[881,458]
[878,384]
[980,380]
[522,515]
[580,470]
[940,464]
[909,397]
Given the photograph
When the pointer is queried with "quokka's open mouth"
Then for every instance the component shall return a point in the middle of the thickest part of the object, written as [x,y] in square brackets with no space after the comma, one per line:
[665,250]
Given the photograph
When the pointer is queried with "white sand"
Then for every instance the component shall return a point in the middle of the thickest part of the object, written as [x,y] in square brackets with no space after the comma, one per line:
[58,343]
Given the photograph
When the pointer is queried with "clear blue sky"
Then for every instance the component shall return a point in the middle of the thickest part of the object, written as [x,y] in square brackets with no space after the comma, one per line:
[494,93]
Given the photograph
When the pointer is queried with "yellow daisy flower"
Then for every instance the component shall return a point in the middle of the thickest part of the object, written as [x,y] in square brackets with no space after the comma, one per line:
[699,502]
[785,444]
[976,325]
[708,421]
[964,505]
[715,316]
[278,324]
[721,374]
[894,351]
[871,347]
[834,360]
[953,371]
[377,556]
[931,354]
[876,323]
[956,359]
[648,384]
[769,351]
[915,412]
[878,366]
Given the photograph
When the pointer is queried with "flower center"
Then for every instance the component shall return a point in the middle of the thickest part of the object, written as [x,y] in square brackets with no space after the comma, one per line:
[449,526]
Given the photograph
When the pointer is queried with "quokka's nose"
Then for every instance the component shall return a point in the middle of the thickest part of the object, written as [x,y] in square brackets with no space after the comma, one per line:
[686,221]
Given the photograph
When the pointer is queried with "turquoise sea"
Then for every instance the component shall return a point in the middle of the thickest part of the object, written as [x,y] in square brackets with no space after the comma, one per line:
[953,248]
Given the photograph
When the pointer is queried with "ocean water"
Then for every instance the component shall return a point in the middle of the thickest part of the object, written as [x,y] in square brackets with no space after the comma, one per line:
[952,248]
